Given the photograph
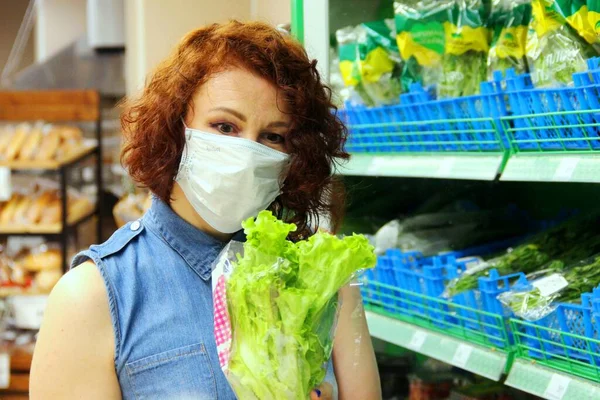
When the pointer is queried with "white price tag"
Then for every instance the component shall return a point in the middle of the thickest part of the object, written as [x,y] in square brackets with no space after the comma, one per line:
[565,169]
[557,387]
[4,370]
[5,184]
[417,340]
[550,284]
[462,355]
[446,166]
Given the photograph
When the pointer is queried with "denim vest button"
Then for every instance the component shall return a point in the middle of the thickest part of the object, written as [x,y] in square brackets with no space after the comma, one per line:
[135,225]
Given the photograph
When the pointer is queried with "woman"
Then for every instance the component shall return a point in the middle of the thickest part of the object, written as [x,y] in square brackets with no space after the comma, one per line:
[234,112]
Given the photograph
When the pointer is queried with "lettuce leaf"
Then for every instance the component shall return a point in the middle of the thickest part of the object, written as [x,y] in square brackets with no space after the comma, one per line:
[282,301]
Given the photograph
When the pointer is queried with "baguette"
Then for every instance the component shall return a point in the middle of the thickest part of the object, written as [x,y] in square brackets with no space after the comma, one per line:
[21,211]
[17,141]
[34,214]
[49,145]
[31,145]
[9,209]
[6,135]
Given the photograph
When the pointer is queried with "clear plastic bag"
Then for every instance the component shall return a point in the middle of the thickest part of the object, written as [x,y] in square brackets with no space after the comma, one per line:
[509,22]
[555,284]
[276,305]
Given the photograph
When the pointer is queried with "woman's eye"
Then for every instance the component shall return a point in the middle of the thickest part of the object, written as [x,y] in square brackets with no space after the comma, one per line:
[274,138]
[225,128]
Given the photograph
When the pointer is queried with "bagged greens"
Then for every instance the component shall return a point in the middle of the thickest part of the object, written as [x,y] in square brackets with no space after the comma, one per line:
[348,52]
[276,306]
[464,63]
[583,16]
[509,23]
[421,38]
[380,63]
[565,244]
[370,62]
[554,50]
[554,285]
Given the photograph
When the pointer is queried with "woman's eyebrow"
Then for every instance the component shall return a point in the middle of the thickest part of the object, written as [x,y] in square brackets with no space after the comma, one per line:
[230,111]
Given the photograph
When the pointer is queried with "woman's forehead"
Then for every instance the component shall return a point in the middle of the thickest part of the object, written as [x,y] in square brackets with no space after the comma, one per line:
[237,87]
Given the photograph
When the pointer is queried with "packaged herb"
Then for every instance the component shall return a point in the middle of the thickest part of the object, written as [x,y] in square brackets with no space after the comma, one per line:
[464,63]
[380,63]
[348,53]
[421,38]
[509,23]
[554,50]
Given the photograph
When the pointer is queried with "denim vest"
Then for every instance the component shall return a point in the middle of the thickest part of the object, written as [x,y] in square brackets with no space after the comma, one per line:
[157,273]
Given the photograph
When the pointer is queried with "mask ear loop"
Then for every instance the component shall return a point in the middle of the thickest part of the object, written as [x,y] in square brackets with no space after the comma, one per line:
[184,154]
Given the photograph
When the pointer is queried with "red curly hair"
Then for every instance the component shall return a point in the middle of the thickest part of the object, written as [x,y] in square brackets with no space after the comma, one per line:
[154,131]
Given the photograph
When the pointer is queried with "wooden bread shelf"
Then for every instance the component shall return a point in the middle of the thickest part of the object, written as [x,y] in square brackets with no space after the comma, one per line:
[50,105]
[48,229]
[84,151]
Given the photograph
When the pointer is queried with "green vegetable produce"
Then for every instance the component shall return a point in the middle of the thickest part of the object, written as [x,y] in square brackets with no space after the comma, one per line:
[282,302]
[464,64]
[348,52]
[421,38]
[380,62]
[531,304]
[509,21]
[566,244]
[554,50]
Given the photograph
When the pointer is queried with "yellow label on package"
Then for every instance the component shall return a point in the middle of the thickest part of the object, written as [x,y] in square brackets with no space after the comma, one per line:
[512,42]
[545,19]
[583,25]
[347,70]
[376,63]
[409,48]
[463,39]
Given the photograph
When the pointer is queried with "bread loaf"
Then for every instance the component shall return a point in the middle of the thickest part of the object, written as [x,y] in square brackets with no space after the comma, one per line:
[49,145]
[31,144]
[21,211]
[47,260]
[34,214]
[8,211]
[6,135]
[17,141]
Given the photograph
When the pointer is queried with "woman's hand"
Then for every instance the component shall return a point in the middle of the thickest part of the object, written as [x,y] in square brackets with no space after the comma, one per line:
[323,392]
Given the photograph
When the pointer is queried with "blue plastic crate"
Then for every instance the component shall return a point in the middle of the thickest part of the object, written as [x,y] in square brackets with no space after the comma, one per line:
[563,114]
[422,124]
[564,333]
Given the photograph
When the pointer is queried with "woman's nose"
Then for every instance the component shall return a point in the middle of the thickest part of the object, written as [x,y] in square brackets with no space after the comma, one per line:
[250,135]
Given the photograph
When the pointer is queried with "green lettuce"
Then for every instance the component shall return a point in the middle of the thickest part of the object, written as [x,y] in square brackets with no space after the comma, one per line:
[282,301]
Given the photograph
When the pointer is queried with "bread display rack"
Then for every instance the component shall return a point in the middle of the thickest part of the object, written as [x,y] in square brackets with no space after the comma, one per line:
[56,107]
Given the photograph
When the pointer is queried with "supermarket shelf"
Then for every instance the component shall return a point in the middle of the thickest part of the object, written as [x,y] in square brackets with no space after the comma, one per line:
[553,168]
[482,361]
[85,151]
[550,384]
[46,229]
[476,166]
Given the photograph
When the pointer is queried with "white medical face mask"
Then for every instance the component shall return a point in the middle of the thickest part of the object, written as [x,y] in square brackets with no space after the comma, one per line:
[229,179]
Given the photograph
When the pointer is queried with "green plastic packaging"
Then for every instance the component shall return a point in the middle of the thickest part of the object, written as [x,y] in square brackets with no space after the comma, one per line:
[421,38]
[464,64]
[509,23]
[555,50]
